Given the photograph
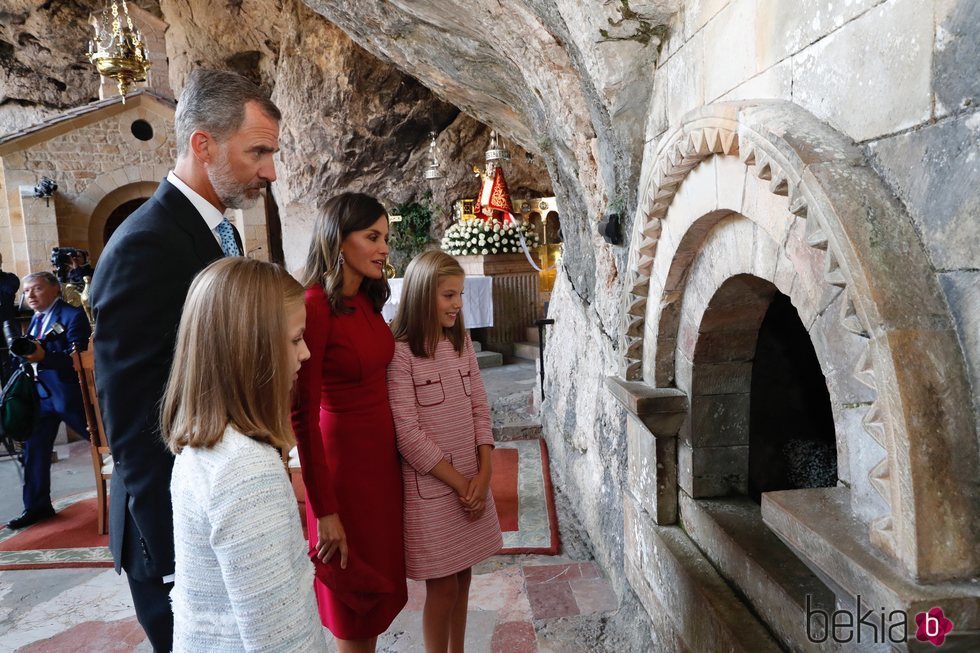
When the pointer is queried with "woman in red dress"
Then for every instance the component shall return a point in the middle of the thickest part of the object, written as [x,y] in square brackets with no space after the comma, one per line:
[344,429]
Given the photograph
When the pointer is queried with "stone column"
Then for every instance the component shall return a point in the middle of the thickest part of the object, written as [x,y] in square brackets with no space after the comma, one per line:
[36,234]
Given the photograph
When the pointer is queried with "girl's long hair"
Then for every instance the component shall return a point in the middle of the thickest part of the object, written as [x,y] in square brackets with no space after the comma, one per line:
[231,358]
[416,321]
[339,216]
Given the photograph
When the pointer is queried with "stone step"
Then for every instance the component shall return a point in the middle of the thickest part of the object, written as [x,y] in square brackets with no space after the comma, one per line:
[819,525]
[526,350]
[521,431]
[777,584]
[477,346]
[671,576]
[487,359]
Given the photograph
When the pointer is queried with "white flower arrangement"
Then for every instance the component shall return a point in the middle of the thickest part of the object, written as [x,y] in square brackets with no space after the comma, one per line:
[477,236]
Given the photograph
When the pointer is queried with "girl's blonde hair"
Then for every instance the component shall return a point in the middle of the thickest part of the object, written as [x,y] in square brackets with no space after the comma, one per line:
[231,357]
[339,217]
[416,321]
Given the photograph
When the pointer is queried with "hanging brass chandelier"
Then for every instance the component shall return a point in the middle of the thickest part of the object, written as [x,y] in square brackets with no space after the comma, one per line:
[118,50]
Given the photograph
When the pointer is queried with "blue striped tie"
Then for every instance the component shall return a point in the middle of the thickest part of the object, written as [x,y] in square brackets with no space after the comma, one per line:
[227,234]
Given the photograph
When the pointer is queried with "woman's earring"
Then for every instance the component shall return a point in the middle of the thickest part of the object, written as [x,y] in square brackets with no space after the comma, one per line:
[340,260]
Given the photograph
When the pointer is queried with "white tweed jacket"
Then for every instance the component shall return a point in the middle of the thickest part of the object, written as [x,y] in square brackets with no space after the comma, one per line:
[243,580]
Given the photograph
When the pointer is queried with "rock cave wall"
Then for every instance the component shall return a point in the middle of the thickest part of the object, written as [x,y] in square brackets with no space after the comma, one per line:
[351,121]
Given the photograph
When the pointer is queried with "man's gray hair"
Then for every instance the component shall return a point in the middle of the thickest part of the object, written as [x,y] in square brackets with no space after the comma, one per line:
[47,276]
[214,101]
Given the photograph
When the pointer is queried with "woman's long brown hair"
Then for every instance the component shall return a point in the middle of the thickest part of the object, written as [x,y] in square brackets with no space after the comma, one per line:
[341,215]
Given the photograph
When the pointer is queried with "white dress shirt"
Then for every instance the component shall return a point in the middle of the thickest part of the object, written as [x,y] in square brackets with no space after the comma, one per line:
[212,216]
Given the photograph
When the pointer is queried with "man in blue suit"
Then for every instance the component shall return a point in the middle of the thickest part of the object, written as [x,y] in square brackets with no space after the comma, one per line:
[61,397]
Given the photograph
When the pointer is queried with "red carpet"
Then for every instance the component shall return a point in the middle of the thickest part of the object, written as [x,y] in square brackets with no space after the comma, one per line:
[521,487]
[48,544]
[532,528]
[503,485]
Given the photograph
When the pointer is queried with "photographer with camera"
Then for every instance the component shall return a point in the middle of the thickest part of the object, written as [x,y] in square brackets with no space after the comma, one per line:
[79,267]
[55,328]
[71,265]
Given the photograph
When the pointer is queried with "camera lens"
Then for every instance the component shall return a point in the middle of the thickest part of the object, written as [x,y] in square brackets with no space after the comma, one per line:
[23,347]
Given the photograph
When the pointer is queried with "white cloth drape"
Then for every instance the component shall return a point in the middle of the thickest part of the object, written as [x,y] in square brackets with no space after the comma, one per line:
[477,301]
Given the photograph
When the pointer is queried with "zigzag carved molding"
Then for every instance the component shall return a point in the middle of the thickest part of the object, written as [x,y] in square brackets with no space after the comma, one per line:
[678,157]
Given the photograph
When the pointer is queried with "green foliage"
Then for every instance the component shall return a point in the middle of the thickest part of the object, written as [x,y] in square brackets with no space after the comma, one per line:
[410,236]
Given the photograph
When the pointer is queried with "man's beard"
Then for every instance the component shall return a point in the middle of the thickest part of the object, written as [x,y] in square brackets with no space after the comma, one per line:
[231,192]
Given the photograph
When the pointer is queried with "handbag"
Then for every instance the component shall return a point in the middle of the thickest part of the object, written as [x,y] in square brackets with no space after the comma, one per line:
[20,404]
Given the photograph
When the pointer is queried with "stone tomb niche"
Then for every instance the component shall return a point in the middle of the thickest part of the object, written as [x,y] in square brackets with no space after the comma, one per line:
[791,424]
[746,200]
[764,402]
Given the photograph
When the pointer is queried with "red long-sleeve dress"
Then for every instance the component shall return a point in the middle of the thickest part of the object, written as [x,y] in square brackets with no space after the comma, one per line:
[346,440]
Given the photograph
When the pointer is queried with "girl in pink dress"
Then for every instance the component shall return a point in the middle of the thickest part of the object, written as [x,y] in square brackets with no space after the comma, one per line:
[442,428]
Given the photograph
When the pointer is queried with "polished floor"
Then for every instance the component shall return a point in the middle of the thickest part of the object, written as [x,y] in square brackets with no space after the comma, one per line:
[518,604]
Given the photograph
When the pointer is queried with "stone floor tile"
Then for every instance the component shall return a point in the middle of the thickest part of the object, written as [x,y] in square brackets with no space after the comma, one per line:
[502,591]
[593,595]
[549,600]
[103,596]
[405,633]
[514,637]
[120,636]
[551,573]
[416,595]
[589,570]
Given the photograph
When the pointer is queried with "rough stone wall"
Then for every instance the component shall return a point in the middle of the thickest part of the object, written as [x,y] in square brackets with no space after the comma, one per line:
[350,121]
[542,73]
[43,68]
[77,158]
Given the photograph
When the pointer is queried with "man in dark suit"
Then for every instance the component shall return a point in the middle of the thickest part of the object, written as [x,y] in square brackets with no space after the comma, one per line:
[227,133]
[9,285]
[61,397]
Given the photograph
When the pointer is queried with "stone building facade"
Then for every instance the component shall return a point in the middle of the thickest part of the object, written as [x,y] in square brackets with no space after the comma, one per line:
[106,157]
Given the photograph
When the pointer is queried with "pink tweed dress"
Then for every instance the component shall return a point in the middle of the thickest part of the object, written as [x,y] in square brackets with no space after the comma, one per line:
[441,412]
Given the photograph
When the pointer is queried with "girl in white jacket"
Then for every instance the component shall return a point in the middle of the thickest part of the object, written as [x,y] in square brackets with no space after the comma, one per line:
[244,581]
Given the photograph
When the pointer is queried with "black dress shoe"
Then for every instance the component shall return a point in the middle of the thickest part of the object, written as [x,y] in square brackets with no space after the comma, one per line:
[29,517]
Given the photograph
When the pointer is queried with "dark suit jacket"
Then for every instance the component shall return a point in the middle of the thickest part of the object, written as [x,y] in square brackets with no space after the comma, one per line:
[56,371]
[138,293]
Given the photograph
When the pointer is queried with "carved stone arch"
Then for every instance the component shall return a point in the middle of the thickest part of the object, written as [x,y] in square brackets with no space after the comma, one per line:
[845,242]
[109,191]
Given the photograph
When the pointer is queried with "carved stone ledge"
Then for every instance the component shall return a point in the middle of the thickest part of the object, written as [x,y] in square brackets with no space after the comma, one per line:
[819,526]
[656,415]
[662,410]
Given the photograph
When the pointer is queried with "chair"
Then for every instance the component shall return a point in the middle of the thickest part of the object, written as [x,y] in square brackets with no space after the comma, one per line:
[84,362]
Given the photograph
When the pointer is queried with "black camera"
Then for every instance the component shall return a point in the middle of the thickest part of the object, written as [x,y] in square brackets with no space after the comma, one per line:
[24,346]
[46,187]
[61,260]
